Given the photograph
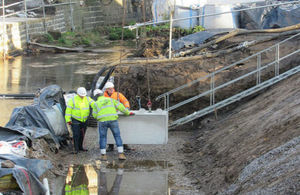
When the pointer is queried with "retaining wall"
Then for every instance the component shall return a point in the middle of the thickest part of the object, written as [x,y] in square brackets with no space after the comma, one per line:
[84,16]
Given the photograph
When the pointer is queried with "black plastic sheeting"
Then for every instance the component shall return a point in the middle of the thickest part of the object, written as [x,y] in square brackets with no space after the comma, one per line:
[269,17]
[262,18]
[195,39]
[50,96]
[32,122]
[26,172]
[10,135]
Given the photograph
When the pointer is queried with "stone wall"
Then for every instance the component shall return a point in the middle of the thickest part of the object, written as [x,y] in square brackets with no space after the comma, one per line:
[15,36]
[84,16]
[84,19]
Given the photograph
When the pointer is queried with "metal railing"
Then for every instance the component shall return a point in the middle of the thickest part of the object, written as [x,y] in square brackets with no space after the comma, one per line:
[235,98]
[211,76]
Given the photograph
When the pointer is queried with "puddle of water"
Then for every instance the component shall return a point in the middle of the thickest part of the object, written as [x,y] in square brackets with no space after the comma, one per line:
[127,178]
[26,74]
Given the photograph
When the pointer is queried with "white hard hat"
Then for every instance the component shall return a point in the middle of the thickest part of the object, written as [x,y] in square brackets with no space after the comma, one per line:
[81,91]
[98,91]
[109,85]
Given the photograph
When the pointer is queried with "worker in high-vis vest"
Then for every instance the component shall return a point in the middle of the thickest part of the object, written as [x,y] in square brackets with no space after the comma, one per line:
[110,92]
[105,111]
[77,113]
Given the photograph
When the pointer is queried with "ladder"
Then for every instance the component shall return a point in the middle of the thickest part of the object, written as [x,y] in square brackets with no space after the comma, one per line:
[235,97]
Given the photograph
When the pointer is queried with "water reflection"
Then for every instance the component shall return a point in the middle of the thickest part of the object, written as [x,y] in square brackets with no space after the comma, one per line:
[25,74]
[10,74]
[7,106]
[117,179]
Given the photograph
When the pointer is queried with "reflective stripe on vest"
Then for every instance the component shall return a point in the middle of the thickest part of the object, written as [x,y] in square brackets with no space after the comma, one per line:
[104,109]
[77,113]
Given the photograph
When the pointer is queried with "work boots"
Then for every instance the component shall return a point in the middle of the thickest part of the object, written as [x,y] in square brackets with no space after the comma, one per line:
[122,156]
[103,157]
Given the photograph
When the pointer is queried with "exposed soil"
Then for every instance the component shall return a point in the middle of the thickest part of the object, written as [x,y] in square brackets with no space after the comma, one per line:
[152,47]
[179,183]
[152,79]
[211,155]
[223,147]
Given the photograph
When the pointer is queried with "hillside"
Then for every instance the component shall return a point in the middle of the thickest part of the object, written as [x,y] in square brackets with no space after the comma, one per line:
[235,148]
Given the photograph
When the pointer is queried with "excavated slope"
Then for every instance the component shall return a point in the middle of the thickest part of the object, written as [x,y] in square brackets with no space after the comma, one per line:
[254,148]
[220,150]
[147,78]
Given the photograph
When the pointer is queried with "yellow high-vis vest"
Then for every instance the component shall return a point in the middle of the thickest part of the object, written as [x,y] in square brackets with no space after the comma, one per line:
[78,108]
[104,109]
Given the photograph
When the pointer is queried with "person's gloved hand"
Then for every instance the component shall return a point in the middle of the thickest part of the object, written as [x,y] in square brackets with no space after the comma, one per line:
[131,113]
[70,123]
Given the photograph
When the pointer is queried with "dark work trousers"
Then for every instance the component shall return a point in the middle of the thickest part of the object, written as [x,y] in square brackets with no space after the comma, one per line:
[79,129]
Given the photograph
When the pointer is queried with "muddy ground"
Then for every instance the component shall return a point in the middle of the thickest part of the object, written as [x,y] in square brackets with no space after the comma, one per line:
[219,149]
[212,155]
[149,79]
[179,183]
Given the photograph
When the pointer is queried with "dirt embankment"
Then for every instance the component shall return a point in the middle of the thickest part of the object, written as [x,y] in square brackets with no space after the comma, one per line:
[217,153]
[222,148]
[157,78]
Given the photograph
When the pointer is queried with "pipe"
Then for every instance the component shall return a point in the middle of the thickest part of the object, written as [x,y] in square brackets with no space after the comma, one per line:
[18,96]
[93,87]
[111,70]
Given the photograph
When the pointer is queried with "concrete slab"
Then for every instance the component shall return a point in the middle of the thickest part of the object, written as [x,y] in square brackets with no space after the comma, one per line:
[143,128]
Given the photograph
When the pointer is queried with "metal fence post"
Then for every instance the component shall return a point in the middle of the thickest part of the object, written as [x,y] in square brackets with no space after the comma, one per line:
[212,88]
[277,60]
[71,16]
[136,37]
[165,102]
[168,102]
[170,35]
[26,22]
[258,69]
[44,16]
[3,28]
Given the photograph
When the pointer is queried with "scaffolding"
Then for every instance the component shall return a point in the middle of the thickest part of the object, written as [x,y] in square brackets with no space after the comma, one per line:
[25,12]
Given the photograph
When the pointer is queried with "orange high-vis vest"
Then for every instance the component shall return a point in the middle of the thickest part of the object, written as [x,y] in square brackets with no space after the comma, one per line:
[120,97]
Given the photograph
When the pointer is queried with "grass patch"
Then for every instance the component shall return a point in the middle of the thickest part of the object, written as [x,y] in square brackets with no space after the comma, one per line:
[99,36]
[74,39]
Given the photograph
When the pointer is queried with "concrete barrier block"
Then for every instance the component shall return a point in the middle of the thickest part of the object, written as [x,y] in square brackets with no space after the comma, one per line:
[143,128]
